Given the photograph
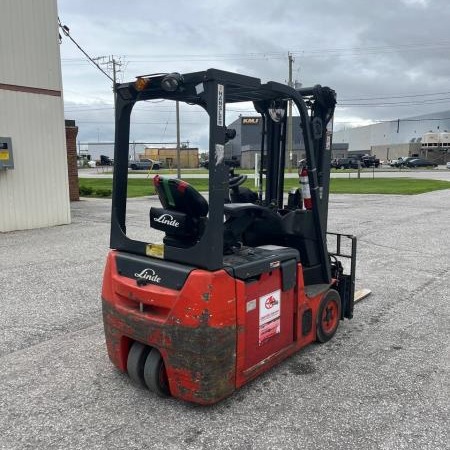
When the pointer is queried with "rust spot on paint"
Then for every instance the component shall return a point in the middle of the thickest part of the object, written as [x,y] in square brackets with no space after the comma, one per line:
[203,357]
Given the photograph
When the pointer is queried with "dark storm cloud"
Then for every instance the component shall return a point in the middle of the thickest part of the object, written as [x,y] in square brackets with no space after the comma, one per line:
[385,51]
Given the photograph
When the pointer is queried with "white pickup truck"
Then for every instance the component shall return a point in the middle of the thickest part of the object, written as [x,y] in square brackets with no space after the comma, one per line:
[145,164]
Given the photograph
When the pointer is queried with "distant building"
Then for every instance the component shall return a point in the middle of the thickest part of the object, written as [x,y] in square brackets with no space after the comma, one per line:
[247,142]
[339,150]
[402,137]
[434,145]
[189,157]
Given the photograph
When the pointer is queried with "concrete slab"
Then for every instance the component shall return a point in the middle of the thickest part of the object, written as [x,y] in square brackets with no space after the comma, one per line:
[381,383]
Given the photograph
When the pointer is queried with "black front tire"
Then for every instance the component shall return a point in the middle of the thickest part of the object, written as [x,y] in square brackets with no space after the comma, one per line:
[328,316]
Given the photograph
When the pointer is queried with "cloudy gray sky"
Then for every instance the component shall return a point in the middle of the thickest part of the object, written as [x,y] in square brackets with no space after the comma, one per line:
[386,59]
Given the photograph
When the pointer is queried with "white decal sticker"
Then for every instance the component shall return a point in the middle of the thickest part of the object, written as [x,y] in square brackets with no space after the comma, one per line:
[251,305]
[220,153]
[220,104]
[269,315]
[167,219]
[148,274]
[199,89]
[328,144]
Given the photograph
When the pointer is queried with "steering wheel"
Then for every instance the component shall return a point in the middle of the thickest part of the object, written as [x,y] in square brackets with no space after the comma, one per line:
[236,181]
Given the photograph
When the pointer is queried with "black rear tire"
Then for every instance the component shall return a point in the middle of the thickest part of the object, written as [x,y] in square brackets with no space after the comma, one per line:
[135,363]
[155,374]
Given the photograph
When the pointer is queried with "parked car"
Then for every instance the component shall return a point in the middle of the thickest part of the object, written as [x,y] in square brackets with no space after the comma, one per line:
[448,165]
[419,162]
[393,162]
[370,161]
[145,164]
[345,163]
[401,161]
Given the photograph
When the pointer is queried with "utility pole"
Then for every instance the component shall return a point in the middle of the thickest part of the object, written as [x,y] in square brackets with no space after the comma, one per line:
[289,123]
[177,106]
[114,70]
[113,65]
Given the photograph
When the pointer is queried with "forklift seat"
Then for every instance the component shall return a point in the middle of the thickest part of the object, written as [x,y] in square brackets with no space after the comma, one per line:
[184,211]
[184,215]
[251,225]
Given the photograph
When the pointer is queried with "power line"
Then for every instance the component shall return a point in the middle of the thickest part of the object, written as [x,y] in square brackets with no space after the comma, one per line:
[340,103]
[66,32]
[397,96]
[98,122]
[281,55]
[389,104]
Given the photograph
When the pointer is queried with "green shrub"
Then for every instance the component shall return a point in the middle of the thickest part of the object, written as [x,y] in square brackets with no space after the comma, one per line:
[103,192]
[85,191]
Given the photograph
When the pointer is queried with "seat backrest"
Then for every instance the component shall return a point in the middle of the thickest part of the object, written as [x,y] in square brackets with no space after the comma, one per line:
[177,195]
[184,211]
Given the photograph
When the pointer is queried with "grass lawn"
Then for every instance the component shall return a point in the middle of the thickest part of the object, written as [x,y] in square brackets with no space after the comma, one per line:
[403,186]
[138,187]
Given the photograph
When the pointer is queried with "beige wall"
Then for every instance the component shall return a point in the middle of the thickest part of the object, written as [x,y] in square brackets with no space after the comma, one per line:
[29,47]
[36,192]
[188,156]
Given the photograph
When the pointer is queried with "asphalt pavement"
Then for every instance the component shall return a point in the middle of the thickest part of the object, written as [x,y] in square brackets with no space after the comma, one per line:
[381,383]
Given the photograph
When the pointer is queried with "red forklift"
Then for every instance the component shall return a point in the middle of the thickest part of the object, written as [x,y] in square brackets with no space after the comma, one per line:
[242,280]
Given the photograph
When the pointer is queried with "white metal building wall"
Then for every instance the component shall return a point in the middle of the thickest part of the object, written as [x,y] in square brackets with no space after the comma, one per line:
[392,132]
[36,192]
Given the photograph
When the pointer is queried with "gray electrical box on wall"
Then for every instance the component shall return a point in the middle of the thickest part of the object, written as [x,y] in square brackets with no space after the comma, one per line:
[6,153]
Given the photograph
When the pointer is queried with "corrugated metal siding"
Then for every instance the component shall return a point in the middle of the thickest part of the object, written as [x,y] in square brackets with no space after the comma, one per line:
[35,193]
[29,49]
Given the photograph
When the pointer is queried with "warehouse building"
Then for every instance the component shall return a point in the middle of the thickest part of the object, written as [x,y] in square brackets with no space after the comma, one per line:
[34,186]
[247,142]
[402,137]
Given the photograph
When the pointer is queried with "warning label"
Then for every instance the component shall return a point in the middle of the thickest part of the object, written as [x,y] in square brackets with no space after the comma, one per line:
[269,315]
[220,105]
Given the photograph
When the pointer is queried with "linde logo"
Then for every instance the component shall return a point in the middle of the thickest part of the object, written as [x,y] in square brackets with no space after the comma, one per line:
[148,274]
[250,121]
[167,219]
